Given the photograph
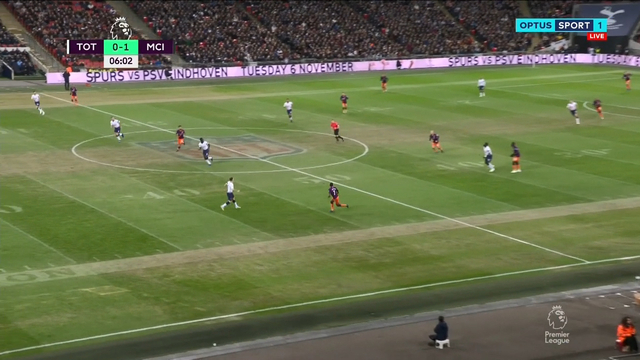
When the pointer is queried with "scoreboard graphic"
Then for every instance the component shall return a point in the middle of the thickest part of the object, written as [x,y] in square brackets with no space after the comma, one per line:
[120,54]
[596,29]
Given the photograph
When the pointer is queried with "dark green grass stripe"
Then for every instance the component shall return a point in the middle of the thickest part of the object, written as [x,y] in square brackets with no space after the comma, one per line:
[77,230]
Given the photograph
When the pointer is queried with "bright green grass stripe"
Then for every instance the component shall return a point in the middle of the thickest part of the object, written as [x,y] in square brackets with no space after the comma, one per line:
[576,177]
[21,251]
[591,236]
[602,146]
[456,196]
[288,206]
[301,217]
[75,229]
[259,204]
[501,190]
[266,280]
[131,197]
[609,135]
[296,198]
[15,337]
[43,129]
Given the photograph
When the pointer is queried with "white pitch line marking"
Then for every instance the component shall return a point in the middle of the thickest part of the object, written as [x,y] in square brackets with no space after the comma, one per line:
[26,267]
[118,256]
[104,212]
[200,246]
[160,251]
[96,259]
[316,302]
[625,296]
[2,271]
[269,116]
[364,153]
[344,186]
[38,240]
[50,264]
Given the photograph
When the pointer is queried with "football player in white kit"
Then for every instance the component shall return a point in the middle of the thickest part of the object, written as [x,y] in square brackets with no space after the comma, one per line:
[573,109]
[115,124]
[36,100]
[481,85]
[289,106]
[230,197]
[204,146]
[488,156]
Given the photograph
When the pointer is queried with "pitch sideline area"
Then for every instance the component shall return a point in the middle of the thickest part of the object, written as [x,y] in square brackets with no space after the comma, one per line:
[194,256]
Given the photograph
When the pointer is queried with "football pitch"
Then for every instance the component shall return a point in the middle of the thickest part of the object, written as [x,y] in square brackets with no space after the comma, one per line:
[103,238]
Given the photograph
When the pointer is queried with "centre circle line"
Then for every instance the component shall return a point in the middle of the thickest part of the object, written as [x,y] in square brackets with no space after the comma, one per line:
[74,150]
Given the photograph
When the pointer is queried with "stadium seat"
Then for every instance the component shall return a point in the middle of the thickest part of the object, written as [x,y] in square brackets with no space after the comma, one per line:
[440,344]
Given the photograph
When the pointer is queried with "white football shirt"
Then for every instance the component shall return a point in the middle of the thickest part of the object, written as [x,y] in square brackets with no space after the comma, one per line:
[572,106]
[35,98]
[288,105]
[204,145]
[481,82]
[115,123]
[487,151]
[229,187]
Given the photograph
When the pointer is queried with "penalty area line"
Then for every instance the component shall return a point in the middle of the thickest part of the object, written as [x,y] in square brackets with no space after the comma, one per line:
[317,302]
[504,236]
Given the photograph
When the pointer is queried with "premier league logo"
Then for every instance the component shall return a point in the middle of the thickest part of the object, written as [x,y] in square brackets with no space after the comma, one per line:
[120,30]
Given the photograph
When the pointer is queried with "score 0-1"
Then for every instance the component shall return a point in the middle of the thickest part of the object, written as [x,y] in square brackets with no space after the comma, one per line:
[120,47]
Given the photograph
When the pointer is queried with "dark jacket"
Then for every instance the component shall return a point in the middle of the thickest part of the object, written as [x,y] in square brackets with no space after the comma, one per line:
[442,331]
[66,76]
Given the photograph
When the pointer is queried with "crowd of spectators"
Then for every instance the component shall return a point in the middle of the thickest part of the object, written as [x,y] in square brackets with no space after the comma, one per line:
[323,30]
[419,27]
[233,31]
[212,32]
[52,23]
[19,61]
[7,39]
[491,22]
[551,9]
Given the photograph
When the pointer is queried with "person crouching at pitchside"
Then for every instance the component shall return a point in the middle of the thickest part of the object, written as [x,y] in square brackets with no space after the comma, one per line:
[626,336]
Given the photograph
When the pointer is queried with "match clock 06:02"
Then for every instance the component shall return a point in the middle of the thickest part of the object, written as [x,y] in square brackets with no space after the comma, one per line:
[121,62]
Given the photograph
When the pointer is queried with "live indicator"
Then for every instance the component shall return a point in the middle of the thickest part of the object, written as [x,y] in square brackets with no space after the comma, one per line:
[594,36]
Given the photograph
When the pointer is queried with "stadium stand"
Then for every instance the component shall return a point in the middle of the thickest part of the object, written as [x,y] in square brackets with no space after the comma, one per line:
[551,9]
[213,32]
[19,61]
[324,30]
[7,39]
[491,22]
[418,26]
[53,22]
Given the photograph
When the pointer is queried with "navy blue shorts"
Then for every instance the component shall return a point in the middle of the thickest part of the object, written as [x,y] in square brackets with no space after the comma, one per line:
[487,159]
[230,196]
[205,154]
[116,130]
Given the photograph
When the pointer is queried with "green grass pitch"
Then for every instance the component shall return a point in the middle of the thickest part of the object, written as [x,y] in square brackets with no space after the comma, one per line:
[101,237]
